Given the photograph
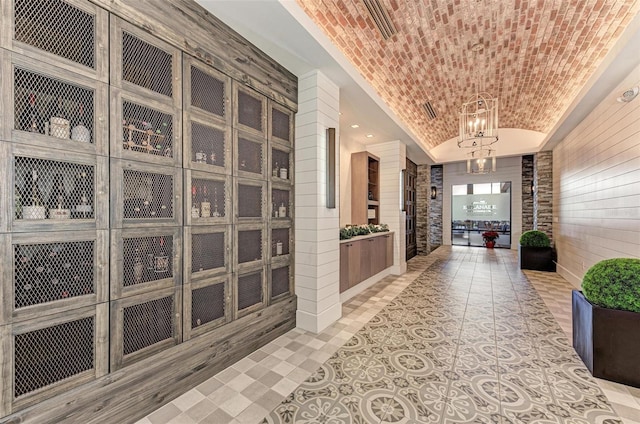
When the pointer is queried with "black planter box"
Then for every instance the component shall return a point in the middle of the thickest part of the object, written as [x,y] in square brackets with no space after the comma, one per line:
[607,341]
[537,258]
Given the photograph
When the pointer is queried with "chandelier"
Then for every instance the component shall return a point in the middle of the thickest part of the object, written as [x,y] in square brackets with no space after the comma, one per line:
[479,128]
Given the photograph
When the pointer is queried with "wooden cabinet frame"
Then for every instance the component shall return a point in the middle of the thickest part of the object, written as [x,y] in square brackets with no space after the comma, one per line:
[200,118]
[118,290]
[192,277]
[8,313]
[118,149]
[238,88]
[118,358]
[237,162]
[189,62]
[188,331]
[101,190]
[101,36]
[100,314]
[275,139]
[118,220]
[238,332]
[259,269]
[118,26]
[191,175]
[100,136]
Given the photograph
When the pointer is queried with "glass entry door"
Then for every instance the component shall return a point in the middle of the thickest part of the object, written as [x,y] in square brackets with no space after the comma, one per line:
[476,208]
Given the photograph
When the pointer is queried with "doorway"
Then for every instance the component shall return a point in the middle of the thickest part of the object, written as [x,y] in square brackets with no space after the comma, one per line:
[410,177]
[478,208]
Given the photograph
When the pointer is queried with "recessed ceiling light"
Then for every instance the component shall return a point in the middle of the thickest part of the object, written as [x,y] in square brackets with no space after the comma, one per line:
[355,126]
[369,135]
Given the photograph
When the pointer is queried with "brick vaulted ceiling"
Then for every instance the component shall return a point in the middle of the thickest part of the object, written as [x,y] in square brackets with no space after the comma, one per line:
[537,55]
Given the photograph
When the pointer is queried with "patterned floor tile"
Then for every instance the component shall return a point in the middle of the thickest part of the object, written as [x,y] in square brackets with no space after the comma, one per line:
[463,337]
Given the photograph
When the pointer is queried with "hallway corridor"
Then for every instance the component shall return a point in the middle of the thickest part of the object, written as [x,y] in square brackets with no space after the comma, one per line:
[462,337]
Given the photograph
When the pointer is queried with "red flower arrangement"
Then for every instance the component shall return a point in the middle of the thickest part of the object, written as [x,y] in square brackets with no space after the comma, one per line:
[490,236]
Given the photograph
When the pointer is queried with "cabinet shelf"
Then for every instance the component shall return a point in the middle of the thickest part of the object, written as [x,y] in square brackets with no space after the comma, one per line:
[364,188]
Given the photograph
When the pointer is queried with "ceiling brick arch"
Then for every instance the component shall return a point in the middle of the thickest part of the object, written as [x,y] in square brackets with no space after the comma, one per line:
[537,55]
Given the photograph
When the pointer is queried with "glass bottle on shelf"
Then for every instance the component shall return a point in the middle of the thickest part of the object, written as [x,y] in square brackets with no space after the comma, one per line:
[278,248]
[58,204]
[275,170]
[282,210]
[34,205]
[212,157]
[195,210]
[30,118]
[205,205]
[82,197]
[161,259]
[138,267]
[215,212]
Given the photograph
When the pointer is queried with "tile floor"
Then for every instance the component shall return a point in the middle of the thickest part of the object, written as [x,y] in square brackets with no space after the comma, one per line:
[463,336]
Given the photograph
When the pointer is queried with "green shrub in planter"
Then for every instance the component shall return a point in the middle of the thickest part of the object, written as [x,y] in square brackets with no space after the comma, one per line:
[614,284]
[534,238]
[345,234]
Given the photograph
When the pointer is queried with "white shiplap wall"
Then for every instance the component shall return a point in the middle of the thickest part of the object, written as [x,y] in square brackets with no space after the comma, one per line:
[596,171]
[317,250]
[507,169]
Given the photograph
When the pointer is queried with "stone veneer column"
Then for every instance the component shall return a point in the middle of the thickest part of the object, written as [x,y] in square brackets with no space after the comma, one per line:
[423,188]
[527,197]
[543,197]
[317,248]
[435,208]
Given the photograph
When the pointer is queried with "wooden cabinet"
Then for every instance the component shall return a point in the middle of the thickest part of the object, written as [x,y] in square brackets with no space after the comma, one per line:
[148,201]
[362,258]
[365,188]
[389,250]
[350,274]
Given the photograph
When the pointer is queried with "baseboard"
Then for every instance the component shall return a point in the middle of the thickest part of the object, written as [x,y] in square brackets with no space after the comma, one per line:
[362,286]
[569,276]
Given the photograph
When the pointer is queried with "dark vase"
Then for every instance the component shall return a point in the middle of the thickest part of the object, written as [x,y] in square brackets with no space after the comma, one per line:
[607,340]
[537,258]
[490,244]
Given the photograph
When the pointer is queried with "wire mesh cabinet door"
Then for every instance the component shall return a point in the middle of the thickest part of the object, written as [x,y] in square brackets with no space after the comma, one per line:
[207,117]
[50,107]
[249,244]
[54,191]
[207,252]
[207,305]
[144,325]
[250,291]
[281,128]
[51,272]
[73,34]
[50,355]
[280,280]
[207,199]
[143,64]
[145,195]
[250,110]
[145,128]
[145,260]
[281,164]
